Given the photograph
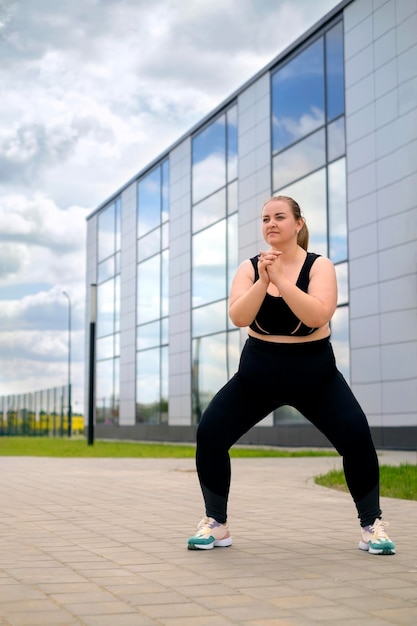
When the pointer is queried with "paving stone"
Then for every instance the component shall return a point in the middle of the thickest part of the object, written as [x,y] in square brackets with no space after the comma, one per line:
[41,618]
[102,542]
[122,619]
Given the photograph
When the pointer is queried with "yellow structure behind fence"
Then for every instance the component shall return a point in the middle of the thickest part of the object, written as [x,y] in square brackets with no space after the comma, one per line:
[40,413]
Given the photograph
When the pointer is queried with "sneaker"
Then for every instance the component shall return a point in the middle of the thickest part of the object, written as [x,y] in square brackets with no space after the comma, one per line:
[210,534]
[376,540]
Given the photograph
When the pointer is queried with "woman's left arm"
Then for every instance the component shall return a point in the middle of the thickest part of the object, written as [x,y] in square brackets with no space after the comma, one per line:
[316,307]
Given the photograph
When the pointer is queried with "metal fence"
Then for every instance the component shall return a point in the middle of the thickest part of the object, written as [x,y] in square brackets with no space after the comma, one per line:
[39,413]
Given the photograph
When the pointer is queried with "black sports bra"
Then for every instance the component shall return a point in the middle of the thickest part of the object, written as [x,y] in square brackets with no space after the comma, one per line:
[275,316]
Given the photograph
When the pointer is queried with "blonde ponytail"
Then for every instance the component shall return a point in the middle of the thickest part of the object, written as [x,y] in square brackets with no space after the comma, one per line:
[303,236]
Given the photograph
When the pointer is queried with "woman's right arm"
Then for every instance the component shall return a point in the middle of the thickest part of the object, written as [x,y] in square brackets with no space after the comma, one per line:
[246,296]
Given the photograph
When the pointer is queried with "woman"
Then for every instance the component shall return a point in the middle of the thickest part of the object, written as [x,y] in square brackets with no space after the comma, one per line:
[286,296]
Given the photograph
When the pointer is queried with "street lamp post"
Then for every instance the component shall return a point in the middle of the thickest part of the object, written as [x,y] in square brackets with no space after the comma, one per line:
[92,364]
[69,365]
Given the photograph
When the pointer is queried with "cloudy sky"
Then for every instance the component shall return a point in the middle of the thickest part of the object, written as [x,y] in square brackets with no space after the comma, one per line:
[91,91]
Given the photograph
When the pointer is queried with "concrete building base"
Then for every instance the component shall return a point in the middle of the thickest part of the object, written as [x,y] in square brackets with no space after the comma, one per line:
[294,435]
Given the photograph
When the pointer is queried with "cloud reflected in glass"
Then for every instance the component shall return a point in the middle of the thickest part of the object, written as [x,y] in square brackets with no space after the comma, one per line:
[298,96]
[337,211]
[209,264]
[310,193]
[301,159]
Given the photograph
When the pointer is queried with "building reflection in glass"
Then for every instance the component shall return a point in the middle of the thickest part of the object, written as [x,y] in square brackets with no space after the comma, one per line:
[308,163]
[108,314]
[214,256]
[152,301]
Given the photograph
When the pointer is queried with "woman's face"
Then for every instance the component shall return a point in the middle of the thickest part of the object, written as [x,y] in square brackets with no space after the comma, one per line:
[279,225]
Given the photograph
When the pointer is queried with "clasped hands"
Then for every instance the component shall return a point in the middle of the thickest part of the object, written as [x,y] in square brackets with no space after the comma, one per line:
[269,266]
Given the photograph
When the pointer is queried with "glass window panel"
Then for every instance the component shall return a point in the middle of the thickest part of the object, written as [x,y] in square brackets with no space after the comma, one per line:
[209,211]
[117,262]
[149,290]
[342,283]
[209,319]
[299,160]
[165,236]
[106,233]
[116,394]
[117,304]
[209,264]
[340,340]
[232,203]
[149,245]
[335,71]
[233,352]
[148,335]
[165,283]
[148,385]
[117,344]
[149,202]
[105,308]
[232,248]
[164,331]
[164,385]
[310,193]
[105,347]
[104,391]
[289,415]
[118,222]
[209,160]
[298,97]
[209,370]
[231,143]
[105,269]
[336,139]
[165,190]
[337,211]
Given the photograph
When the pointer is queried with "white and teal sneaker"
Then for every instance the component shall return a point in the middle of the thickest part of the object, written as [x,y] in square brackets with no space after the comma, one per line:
[210,534]
[375,539]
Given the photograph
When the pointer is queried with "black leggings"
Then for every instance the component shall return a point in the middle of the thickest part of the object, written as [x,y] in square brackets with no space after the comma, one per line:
[303,375]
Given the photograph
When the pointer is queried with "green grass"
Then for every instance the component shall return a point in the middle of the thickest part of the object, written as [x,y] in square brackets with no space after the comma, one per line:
[75,448]
[396,481]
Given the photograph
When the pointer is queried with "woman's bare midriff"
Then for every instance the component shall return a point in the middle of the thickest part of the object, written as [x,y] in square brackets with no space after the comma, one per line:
[320,333]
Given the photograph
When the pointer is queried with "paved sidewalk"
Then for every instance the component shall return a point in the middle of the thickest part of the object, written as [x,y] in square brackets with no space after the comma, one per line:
[102,542]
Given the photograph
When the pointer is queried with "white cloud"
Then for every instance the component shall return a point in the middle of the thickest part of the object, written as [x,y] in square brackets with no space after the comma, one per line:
[37,221]
[90,94]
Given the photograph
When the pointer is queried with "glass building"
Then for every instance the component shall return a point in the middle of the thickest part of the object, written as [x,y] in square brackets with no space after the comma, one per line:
[331,122]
